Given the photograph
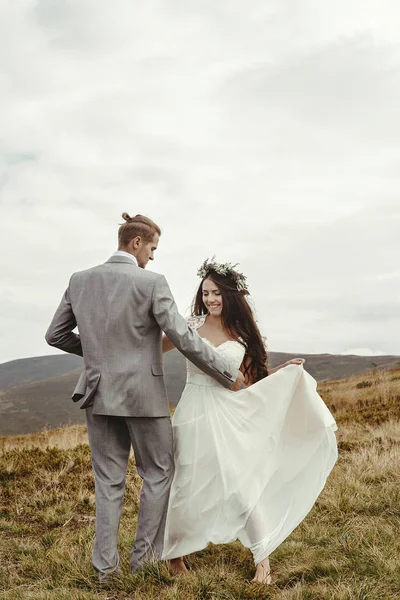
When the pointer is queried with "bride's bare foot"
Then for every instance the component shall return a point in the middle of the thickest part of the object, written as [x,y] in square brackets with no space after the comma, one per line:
[177,566]
[263,573]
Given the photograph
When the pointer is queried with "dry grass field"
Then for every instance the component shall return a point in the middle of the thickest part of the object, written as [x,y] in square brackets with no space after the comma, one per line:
[347,548]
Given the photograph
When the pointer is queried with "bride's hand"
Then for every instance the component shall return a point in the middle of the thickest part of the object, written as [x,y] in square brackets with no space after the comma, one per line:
[295,361]
[239,383]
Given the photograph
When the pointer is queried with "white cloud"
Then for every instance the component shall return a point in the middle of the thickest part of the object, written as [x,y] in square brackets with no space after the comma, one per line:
[363,352]
[269,136]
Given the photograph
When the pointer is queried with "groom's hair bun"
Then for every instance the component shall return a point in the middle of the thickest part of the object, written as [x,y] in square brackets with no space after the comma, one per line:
[126,217]
[138,225]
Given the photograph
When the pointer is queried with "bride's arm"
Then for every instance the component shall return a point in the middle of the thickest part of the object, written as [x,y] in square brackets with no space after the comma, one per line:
[247,377]
[293,361]
[167,345]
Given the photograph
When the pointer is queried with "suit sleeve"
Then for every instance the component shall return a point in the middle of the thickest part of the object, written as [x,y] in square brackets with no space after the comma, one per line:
[186,340]
[60,332]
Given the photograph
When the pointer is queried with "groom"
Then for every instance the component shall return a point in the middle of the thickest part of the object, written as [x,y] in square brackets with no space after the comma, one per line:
[121,310]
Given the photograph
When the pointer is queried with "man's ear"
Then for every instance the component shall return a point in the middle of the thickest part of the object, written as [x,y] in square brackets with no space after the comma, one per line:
[136,242]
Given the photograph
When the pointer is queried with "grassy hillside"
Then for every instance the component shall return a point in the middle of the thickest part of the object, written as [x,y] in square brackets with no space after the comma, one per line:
[35,393]
[347,548]
[337,366]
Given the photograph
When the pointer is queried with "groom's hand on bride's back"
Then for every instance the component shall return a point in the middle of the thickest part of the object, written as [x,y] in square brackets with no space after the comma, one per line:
[239,383]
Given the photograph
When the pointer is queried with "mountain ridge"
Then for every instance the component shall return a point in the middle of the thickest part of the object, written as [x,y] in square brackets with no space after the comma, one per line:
[35,393]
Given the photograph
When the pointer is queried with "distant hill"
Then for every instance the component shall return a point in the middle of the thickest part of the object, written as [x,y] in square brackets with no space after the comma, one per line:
[37,368]
[35,392]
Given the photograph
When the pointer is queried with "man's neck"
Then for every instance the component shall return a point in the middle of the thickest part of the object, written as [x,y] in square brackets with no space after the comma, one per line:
[127,251]
[130,254]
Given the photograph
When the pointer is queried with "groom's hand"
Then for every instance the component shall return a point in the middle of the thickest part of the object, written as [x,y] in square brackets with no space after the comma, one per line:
[239,383]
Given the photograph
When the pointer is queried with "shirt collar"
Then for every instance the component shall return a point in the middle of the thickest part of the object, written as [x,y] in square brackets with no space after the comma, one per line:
[126,254]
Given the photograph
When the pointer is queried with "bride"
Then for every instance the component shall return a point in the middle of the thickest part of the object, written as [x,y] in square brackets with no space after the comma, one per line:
[248,465]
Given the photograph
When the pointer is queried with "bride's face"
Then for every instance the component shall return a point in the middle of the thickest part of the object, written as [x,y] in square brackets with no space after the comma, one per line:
[212,297]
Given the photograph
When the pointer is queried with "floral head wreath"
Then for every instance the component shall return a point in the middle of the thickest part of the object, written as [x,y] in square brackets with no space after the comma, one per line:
[227,269]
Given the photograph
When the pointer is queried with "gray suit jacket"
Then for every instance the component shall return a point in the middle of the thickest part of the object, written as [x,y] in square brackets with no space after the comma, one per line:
[121,310]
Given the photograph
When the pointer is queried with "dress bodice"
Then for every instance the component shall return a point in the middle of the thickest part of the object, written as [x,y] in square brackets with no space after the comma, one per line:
[231,350]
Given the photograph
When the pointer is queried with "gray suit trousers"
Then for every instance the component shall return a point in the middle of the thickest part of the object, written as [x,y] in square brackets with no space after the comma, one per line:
[110,440]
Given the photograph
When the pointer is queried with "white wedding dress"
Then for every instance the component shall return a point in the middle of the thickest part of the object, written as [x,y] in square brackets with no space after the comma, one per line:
[249,464]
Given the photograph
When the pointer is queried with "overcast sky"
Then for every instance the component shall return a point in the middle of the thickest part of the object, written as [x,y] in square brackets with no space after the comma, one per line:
[266,132]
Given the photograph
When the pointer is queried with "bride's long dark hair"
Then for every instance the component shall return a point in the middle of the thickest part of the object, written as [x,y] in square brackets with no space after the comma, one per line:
[238,320]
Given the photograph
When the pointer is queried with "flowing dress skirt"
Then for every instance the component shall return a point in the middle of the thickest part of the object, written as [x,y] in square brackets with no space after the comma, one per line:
[249,464]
